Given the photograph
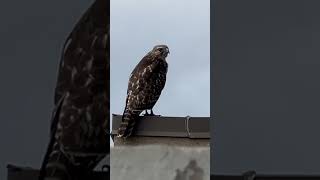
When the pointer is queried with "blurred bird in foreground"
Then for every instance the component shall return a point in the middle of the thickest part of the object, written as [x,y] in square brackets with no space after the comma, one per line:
[80,122]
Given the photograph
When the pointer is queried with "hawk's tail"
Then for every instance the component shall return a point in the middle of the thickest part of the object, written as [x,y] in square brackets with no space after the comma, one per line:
[129,119]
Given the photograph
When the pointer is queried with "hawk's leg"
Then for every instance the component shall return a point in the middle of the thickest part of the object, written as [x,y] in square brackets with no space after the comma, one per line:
[152,114]
[146,113]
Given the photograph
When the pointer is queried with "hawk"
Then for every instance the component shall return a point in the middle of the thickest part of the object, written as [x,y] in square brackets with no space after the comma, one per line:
[80,122]
[144,88]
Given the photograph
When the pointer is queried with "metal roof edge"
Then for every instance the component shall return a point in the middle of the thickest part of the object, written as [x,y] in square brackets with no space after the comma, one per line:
[168,126]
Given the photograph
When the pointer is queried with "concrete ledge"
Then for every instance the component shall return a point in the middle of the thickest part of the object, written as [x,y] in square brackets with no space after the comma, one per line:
[160,162]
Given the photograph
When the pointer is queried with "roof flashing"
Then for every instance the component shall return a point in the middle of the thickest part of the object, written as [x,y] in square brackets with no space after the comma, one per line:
[166,126]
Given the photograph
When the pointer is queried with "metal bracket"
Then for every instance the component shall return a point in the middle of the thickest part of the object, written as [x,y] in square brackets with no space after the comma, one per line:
[105,168]
[249,175]
[187,125]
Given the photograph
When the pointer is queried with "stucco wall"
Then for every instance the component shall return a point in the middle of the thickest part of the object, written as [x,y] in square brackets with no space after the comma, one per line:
[160,159]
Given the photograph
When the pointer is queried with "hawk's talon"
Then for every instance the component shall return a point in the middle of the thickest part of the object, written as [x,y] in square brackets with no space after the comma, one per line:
[152,114]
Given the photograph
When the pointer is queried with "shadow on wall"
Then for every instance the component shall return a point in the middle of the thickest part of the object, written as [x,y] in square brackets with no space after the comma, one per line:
[191,172]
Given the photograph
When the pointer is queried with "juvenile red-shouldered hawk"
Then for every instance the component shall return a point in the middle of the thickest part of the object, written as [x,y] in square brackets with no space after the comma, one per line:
[145,85]
[80,123]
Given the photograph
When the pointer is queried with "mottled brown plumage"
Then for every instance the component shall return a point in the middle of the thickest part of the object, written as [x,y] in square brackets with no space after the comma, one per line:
[79,128]
[145,85]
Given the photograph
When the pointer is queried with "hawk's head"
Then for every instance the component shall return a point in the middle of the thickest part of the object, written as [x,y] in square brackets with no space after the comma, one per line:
[161,50]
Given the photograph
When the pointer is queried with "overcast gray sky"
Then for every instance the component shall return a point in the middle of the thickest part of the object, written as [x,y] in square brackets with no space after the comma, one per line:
[183,25]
